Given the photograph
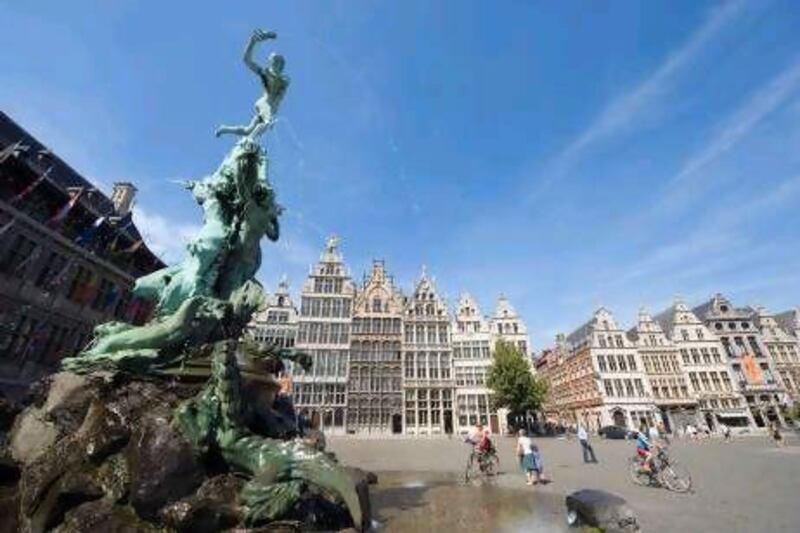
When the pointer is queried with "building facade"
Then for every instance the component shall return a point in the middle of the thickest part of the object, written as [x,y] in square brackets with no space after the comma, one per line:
[663,366]
[784,349]
[68,258]
[612,387]
[326,310]
[507,325]
[572,386]
[707,368]
[753,368]
[472,341]
[428,382]
[277,322]
[375,392]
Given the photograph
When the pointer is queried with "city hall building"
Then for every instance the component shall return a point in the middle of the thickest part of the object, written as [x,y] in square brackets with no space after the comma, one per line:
[69,255]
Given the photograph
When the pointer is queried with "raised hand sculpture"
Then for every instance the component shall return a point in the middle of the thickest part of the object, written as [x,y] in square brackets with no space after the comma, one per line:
[275,83]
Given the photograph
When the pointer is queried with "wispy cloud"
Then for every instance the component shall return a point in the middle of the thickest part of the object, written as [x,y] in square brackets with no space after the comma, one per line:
[625,110]
[166,238]
[733,130]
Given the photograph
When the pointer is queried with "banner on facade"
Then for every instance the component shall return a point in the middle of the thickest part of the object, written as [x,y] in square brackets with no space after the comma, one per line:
[752,372]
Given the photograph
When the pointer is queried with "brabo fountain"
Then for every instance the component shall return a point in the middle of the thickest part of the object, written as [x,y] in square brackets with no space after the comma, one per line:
[178,424]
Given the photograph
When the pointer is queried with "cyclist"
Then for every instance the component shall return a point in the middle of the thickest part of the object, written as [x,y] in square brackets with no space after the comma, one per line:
[485,446]
[644,448]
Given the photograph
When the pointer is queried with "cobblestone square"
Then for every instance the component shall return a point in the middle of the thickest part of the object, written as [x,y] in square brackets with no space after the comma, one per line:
[747,485]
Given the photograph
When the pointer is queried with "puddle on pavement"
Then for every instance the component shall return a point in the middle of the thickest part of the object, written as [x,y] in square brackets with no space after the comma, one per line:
[417,501]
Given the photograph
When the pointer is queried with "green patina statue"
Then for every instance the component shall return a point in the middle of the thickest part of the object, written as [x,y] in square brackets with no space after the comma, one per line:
[202,307]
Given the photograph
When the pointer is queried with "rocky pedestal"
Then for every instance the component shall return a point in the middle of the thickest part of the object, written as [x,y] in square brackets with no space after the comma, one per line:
[101,452]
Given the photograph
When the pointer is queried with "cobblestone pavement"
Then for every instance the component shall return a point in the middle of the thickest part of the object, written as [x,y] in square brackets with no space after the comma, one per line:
[748,485]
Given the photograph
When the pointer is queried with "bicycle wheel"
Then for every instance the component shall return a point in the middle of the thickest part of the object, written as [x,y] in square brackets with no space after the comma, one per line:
[492,466]
[675,477]
[637,475]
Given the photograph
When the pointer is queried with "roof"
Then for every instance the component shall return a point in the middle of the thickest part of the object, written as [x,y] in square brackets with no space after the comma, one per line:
[789,320]
[62,175]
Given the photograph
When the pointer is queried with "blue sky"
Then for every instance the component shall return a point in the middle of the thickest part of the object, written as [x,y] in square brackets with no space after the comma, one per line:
[567,154]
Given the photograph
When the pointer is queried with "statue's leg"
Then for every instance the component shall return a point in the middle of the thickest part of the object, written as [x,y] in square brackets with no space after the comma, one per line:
[269,500]
[238,130]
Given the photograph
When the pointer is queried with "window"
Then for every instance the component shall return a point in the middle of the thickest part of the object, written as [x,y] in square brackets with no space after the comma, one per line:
[612,363]
[622,366]
[602,340]
[55,266]
[754,345]
[628,387]
[21,253]
[377,305]
[80,289]
[609,388]
[601,363]
[685,334]
[699,332]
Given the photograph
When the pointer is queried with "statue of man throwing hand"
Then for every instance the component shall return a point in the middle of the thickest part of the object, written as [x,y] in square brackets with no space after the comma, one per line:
[275,83]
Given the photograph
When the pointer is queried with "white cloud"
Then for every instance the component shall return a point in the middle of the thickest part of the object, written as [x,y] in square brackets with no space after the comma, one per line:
[765,100]
[628,107]
[166,238]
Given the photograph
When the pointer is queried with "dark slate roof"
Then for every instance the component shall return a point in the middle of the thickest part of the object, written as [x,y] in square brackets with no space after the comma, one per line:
[62,175]
[666,319]
[786,320]
[582,332]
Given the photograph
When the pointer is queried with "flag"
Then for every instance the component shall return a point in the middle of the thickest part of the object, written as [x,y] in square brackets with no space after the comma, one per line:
[59,278]
[27,190]
[38,333]
[110,297]
[88,289]
[87,235]
[133,308]
[31,257]
[62,213]
[132,248]
[7,226]
[12,150]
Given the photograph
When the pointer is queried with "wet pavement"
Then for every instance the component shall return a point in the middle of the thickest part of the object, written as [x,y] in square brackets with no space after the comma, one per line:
[741,487]
[422,501]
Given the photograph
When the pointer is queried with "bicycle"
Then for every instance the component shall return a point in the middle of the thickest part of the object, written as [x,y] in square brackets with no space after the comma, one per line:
[481,464]
[665,472]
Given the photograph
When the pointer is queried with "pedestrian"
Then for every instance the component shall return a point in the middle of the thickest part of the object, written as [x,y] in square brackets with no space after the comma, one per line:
[525,455]
[538,466]
[726,432]
[586,448]
[653,434]
[663,432]
[776,434]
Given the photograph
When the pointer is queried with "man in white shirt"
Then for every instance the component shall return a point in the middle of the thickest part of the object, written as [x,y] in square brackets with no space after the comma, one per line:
[588,451]
[653,434]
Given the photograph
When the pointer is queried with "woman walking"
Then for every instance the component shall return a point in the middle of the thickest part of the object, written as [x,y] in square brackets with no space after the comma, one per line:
[525,455]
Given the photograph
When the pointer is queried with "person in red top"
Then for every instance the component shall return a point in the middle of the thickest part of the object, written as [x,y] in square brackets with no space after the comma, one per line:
[485,444]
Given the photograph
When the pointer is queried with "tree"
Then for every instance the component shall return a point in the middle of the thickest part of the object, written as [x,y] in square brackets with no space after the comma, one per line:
[515,387]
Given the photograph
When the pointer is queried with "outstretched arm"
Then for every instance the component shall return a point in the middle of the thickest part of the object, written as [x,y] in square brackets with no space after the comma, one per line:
[257,37]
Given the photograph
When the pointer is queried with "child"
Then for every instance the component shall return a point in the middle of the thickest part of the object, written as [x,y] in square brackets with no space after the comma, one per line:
[538,465]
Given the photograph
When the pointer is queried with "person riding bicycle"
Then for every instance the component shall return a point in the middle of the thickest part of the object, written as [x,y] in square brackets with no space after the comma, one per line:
[644,448]
[485,446]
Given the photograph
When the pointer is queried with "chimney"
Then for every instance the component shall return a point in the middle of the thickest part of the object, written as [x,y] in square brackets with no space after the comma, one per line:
[122,196]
